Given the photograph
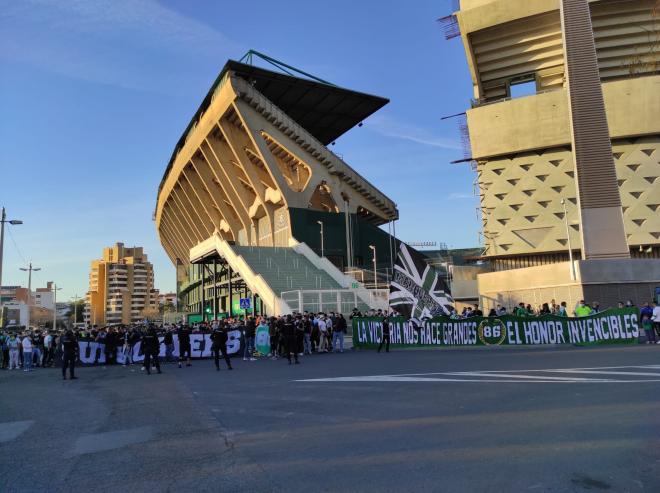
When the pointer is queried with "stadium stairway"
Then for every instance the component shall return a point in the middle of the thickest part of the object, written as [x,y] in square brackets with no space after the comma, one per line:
[271,271]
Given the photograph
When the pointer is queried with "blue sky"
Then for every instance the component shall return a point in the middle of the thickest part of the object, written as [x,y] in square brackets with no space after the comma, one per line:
[95,93]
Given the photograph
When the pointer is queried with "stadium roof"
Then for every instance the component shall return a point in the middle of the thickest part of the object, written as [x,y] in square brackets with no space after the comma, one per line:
[323,109]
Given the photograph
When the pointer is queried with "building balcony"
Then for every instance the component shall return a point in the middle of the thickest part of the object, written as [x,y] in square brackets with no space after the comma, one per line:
[541,121]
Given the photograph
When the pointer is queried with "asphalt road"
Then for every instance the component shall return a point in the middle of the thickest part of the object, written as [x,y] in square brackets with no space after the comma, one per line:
[494,419]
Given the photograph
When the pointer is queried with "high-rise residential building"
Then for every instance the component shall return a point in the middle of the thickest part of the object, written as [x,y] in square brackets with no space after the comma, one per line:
[121,287]
[565,140]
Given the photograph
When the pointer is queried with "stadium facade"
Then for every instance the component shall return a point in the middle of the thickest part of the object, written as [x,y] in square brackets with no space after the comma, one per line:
[258,215]
[574,164]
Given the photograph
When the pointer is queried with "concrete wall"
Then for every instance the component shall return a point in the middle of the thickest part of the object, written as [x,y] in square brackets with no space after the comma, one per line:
[606,281]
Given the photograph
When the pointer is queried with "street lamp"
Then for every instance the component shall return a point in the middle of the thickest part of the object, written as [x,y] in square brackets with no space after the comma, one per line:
[568,237]
[13,222]
[29,269]
[373,248]
[55,290]
[75,309]
[321,224]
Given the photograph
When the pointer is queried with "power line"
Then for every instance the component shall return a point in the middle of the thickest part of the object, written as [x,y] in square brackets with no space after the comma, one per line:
[18,250]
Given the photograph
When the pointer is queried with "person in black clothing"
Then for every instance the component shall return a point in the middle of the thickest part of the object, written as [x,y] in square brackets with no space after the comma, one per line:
[386,336]
[168,340]
[274,333]
[69,354]
[110,347]
[289,333]
[151,348]
[219,338]
[300,334]
[183,335]
[249,330]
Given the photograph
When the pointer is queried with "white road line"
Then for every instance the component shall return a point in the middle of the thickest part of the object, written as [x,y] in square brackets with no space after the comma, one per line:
[609,372]
[468,380]
[529,377]
[512,376]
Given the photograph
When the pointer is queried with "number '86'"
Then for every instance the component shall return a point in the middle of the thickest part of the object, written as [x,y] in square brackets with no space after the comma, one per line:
[492,331]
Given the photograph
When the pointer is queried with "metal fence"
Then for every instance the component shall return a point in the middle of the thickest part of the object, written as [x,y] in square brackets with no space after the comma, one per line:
[321,300]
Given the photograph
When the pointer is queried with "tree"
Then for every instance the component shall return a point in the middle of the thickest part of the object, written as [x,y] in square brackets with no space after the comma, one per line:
[151,313]
[167,307]
[77,308]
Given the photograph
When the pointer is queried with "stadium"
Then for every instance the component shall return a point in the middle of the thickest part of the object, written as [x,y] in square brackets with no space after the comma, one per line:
[255,211]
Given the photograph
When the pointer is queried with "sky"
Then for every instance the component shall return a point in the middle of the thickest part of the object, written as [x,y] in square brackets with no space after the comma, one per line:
[95,93]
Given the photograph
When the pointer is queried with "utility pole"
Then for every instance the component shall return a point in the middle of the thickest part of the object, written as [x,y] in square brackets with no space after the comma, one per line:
[75,309]
[3,220]
[373,248]
[322,239]
[29,270]
[55,290]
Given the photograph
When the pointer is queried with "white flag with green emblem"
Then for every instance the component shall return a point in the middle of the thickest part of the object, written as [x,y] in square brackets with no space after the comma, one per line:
[417,291]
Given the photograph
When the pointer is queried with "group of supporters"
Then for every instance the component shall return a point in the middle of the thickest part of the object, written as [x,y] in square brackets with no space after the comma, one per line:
[581,309]
[289,337]
[299,334]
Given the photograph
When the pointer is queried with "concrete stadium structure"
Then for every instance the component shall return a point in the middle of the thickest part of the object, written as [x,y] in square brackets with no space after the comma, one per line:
[576,164]
[254,204]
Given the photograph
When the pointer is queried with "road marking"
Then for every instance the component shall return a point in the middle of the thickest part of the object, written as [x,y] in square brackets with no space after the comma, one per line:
[13,429]
[610,372]
[531,377]
[513,376]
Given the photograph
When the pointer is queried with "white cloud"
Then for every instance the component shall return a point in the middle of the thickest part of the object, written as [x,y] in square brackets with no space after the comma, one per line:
[402,130]
[458,195]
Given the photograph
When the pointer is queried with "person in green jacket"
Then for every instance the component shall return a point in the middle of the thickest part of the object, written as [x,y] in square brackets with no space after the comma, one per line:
[582,310]
[521,311]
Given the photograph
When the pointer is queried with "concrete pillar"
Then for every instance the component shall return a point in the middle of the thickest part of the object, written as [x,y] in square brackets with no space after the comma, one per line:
[601,219]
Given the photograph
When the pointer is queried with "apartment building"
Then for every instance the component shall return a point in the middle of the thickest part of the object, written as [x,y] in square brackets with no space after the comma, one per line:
[121,287]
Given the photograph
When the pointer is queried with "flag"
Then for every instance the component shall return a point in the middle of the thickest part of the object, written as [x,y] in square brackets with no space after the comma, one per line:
[416,290]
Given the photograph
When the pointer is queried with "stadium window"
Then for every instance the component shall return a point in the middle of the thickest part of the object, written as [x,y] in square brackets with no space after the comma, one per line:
[522,86]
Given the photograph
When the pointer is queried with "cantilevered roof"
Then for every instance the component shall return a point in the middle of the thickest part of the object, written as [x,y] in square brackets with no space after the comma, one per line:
[324,110]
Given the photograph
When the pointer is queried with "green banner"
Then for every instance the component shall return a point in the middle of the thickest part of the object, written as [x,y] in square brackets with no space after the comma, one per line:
[607,327]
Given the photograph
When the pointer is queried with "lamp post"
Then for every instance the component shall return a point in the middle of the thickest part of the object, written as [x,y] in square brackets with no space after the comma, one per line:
[321,224]
[55,290]
[373,248]
[29,269]
[568,237]
[75,309]
[14,222]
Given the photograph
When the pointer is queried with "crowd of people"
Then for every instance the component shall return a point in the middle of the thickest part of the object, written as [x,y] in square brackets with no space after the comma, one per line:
[581,309]
[289,337]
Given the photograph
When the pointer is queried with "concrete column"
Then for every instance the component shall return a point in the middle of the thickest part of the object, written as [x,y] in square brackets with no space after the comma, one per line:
[601,219]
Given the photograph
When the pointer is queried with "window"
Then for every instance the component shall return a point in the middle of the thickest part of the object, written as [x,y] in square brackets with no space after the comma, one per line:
[522,86]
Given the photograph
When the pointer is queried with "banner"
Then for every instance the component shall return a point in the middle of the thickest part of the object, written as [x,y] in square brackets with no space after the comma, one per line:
[200,347]
[416,290]
[611,326]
